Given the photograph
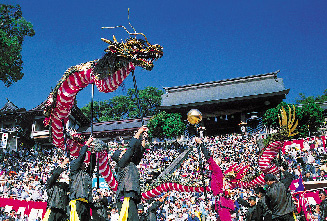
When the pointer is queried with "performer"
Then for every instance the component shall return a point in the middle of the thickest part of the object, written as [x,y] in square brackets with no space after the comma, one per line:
[57,195]
[128,176]
[81,185]
[323,205]
[151,215]
[223,204]
[278,199]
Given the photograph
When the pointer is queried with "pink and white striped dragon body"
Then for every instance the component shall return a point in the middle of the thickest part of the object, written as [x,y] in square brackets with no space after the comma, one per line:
[107,74]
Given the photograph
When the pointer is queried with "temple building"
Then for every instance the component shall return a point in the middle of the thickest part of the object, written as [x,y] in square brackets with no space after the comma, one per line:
[227,106]
[116,129]
[25,129]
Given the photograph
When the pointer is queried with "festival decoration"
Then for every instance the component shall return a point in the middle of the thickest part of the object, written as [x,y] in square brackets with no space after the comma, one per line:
[169,187]
[288,123]
[194,116]
[107,74]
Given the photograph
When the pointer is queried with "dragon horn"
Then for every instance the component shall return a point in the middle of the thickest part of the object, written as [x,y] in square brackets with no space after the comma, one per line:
[142,35]
[118,26]
[106,40]
[130,23]
[115,40]
[121,26]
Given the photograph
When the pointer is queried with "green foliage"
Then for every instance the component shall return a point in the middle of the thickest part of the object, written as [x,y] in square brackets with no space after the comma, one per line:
[310,117]
[124,107]
[311,99]
[150,100]
[13,29]
[270,118]
[166,125]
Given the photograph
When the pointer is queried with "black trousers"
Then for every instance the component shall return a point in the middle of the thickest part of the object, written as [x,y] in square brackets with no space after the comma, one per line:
[57,215]
[132,210]
[83,211]
[286,217]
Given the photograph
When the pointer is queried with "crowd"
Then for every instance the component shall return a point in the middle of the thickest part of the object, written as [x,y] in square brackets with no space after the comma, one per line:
[23,175]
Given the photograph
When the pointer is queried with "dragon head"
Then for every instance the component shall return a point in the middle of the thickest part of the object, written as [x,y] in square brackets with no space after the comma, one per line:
[118,54]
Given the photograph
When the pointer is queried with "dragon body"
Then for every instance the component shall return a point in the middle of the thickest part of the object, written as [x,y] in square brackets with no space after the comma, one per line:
[107,74]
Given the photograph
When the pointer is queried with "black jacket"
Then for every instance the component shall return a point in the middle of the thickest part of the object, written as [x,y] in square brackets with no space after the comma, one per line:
[264,210]
[254,213]
[287,179]
[57,191]
[128,176]
[279,200]
[323,209]
[100,210]
[80,179]
[151,213]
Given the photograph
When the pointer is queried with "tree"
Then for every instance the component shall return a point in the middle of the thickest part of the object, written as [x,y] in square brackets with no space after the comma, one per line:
[13,29]
[310,117]
[311,99]
[150,100]
[123,107]
[166,125]
[97,109]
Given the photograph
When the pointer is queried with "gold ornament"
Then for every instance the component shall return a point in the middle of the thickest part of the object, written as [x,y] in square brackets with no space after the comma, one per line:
[194,116]
[288,123]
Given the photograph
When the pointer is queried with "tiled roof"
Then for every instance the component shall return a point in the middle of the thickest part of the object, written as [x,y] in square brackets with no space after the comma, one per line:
[223,90]
[9,107]
[75,111]
[129,124]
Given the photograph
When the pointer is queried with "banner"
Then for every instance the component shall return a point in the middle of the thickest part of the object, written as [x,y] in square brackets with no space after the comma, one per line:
[4,140]
[102,183]
[30,208]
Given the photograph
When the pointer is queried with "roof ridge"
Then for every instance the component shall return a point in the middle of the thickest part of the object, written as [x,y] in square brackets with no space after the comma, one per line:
[9,106]
[224,81]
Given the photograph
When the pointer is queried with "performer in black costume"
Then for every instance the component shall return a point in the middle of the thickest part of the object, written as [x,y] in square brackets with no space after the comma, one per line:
[57,195]
[278,199]
[128,176]
[323,205]
[151,212]
[81,185]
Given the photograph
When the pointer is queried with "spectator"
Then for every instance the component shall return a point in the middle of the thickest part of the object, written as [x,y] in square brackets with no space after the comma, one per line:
[192,217]
[307,177]
[114,214]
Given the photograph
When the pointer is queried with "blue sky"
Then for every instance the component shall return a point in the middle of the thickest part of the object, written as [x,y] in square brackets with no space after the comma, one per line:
[203,41]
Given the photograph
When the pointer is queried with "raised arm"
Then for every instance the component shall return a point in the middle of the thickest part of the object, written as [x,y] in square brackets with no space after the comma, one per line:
[76,164]
[56,173]
[243,202]
[135,149]
[204,149]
